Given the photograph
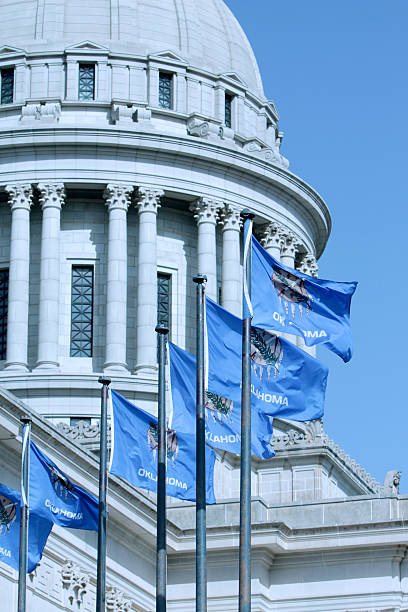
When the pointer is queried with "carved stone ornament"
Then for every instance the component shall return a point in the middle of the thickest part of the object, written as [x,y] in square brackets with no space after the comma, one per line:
[309,265]
[290,243]
[20,196]
[230,218]
[123,113]
[75,583]
[206,210]
[118,196]
[391,484]
[52,195]
[50,112]
[202,127]
[273,235]
[226,133]
[148,199]
[81,431]
[116,601]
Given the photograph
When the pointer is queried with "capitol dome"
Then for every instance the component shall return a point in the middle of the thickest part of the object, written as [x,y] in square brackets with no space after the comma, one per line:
[206,34]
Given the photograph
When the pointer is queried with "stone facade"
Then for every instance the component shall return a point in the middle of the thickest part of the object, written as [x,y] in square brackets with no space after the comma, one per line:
[130,187]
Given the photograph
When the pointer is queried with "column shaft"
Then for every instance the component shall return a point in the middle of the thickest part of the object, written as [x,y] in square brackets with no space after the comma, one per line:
[51,199]
[18,292]
[231,261]
[206,214]
[117,201]
[146,349]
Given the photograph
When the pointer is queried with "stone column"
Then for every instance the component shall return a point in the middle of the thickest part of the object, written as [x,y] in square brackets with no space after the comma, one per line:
[206,213]
[308,266]
[272,239]
[117,200]
[290,244]
[20,197]
[146,348]
[231,260]
[51,199]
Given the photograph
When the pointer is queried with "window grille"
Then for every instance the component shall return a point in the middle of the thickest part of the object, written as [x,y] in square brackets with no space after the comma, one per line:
[81,311]
[228,110]
[164,300]
[86,85]
[4,278]
[7,85]
[165,90]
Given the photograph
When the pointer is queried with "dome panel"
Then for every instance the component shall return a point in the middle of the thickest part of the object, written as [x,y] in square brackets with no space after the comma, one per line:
[205,33]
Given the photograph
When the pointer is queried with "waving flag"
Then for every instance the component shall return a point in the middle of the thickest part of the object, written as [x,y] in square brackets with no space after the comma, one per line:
[56,498]
[286,381]
[135,451]
[289,301]
[38,531]
[223,414]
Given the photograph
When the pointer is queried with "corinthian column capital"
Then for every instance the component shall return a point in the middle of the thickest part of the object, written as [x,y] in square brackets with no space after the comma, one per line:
[206,210]
[273,236]
[117,196]
[309,265]
[148,199]
[20,196]
[52,195]
[290,244]
[230,218]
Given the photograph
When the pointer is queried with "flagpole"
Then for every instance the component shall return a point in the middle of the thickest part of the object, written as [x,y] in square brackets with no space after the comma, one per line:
[24,511]
[245,485]
[201,543]
[161,552]
[103,482]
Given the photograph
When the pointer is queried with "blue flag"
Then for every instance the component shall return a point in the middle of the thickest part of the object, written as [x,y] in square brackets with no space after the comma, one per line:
[38,531]
[223,415]
[286,381]
[134,456]
[289,301]
[54,497]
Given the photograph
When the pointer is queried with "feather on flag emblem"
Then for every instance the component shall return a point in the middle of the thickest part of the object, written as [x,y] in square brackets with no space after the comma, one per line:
[8,514]
[172,442]
[291,289]
[266,351]
[63,487]
[218,405]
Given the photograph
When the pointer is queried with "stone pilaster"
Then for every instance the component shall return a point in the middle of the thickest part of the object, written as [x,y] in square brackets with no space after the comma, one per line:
[146,353]
[272,239]
[20,198]
[117,201]
[51,199]
[206,214]
[231,260]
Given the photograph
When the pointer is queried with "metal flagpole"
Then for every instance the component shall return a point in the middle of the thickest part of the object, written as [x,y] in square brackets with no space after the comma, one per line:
[103,485]
[161,553]
[24,511]
[245,486]
[201,543]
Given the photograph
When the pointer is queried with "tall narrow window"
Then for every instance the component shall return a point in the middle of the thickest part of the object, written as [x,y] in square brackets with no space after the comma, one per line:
[81,311]
[228,110]
[165,90]
[7,85]
[86,85]
[164,299]
[4,277]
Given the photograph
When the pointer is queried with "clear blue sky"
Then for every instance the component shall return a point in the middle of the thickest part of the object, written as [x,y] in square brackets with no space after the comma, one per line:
[337,72]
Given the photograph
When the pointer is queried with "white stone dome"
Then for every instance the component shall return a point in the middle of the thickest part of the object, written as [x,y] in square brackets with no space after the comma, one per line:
[206,34]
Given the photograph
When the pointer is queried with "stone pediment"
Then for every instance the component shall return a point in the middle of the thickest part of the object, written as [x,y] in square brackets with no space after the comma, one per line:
[9,50]
[87,46]
[233,76]
[168,55]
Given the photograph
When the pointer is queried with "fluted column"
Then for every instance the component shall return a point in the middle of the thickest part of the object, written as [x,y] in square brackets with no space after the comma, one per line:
[20,197]
[231,260]
[51,199]
[146,348]
[206,214]
[117,200]
[272,239]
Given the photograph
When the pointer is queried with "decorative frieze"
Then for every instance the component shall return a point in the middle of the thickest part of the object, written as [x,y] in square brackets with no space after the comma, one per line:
[75,584]
[308,265]
[116,601]
[82,431]
[118,196]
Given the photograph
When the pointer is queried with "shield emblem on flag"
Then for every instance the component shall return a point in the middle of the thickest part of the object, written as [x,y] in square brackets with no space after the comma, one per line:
[266,352]
[8,514]
[218,406]
[172,442]
[62,486]
[291,289]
